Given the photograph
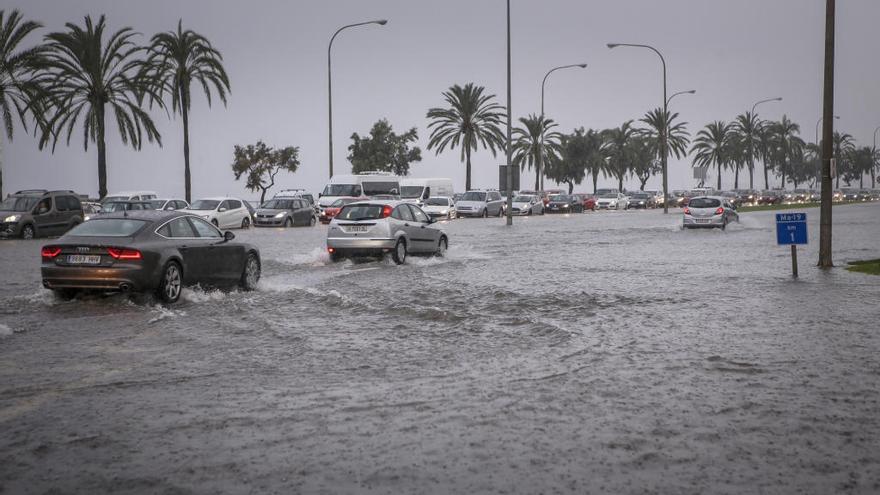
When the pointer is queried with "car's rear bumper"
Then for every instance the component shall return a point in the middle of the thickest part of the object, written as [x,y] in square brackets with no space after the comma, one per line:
[704,222]
[361,244]
[135,278]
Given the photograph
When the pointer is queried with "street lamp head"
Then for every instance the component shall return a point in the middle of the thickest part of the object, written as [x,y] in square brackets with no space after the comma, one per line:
[691,92]
[613,45]
[382,22]
[582,66]
[837,117]
[777,99]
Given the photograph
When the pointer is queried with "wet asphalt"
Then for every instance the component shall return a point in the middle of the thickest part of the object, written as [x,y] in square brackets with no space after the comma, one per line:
[606,352]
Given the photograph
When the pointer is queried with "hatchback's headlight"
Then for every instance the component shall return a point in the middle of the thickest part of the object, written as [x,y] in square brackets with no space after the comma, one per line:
[11,218]
[280,215]
[444,212]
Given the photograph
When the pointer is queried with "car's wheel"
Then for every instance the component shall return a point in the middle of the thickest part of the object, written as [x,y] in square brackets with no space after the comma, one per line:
[399,253]
[542,211]
[246,222]
[288,222]
[485,213]
[311,221]
[171,283]
[216,223]
[28,232]
[724,224]
[442,246]
[500,212]
[336,256]
[65,294]
[251,274]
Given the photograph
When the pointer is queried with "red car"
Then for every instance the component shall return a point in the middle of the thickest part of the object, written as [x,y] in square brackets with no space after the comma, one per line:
[551,192]
[333,210]
[589,201]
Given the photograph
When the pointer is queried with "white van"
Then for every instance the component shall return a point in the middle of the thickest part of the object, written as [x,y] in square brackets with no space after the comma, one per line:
[418,190]
[355,186]
[130,196]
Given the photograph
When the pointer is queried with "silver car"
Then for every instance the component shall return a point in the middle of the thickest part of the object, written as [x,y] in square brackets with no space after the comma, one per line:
[709,212]
[369,228]
[480,204]
[527,204]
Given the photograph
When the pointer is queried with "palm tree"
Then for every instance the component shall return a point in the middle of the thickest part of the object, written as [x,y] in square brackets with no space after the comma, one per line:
[788,145]
[527,144]
[619,151]
[712,146]
[91,77]
[764,148]
[678,138]
[472,119]
[175,61]
[21,76]
[644,159]
[739,154]
[747,126]
[842,146]
[596,154]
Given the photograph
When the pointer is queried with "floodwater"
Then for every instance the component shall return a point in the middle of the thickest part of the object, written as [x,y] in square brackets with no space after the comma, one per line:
[599,353]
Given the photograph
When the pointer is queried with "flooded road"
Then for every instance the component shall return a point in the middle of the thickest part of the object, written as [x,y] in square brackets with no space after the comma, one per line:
[599,353]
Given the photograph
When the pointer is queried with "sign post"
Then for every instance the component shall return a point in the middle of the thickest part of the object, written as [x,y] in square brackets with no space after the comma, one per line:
[791,230]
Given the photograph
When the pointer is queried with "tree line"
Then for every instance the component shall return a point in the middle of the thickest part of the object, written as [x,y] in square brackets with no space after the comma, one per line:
[79,77]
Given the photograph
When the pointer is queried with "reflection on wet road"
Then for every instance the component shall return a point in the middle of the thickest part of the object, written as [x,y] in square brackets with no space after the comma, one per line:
[609,352]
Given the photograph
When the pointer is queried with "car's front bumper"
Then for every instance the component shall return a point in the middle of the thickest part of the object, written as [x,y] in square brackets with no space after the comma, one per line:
[10,229]
[268,222]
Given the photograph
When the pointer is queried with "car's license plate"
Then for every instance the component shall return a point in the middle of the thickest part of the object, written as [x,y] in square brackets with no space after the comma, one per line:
[702,220]
[356,228]
[81,259]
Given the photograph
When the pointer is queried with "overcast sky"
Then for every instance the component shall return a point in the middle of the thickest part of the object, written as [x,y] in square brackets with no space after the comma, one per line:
[732,52]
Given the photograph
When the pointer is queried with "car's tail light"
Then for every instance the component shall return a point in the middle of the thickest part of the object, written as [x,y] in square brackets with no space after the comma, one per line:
[331,250]
[719,211]
[386,211]
[687,211]
[50,252]
[124,253]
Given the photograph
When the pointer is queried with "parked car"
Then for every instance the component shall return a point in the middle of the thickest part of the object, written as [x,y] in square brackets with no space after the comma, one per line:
[679,198]
[527,204]
[331,211]
[565,203]
[118,206]
[39,213]
[612,201]
[479,203]
[130,196]
[224,213]
[746,196]
[710,212]
[657,195]
[169,204]
[147,251]
[370,228]
[641,200]
[284,212]
[439,207]
[770,198]
[589,201]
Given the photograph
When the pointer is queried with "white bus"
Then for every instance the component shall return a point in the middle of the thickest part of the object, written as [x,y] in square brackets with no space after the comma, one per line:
[365,184]
[418,190]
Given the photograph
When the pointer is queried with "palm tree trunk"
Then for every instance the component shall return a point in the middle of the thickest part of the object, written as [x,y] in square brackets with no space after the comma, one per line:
[719,176]
[187,179]
[751,176]
[537,177]
[766,180]
[570,186]
[620,183]
[1,168]
[872,179]
[102,154]
[736,178]
[467,169]
[595,180]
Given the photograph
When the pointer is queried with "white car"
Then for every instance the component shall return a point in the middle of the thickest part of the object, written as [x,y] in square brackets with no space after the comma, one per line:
[130,196]
[168,204]
[612,201]
[439,207]
[527,204]
[224,213]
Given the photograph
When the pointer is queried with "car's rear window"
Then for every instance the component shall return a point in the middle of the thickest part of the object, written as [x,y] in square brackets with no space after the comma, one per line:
[704,203]
[108,227]
[360,212]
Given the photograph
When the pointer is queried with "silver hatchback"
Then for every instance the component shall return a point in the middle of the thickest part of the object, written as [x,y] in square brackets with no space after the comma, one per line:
[709,212]
[370,228]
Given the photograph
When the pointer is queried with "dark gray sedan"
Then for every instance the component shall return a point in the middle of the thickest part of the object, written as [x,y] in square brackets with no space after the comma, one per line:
[147,251]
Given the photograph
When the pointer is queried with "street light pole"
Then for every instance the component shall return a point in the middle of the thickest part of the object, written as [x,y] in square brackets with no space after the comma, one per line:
[874,158]
[540,186]
[663,131]
[825,222]
[509,168]
[689,92]
[752,143]
[836,117]
[380,22]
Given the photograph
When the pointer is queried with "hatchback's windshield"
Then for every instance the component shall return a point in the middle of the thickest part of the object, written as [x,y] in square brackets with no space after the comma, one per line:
[562,198]
[19,203]
[108,227]
[110,199]
[278,204]
[640,196]
[339,203]
[342,190]
[157,203]
[437,202]
[122,206]
[704,203]
[608,195]
[360,212]
[522,199]
[411,192]
[204,204]
[474,196]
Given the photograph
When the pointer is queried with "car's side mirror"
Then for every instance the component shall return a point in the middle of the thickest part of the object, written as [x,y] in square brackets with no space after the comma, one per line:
[228,235]
[221,210]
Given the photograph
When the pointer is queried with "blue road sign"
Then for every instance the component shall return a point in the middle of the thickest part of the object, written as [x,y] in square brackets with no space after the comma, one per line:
[791,228]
